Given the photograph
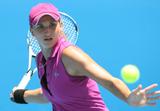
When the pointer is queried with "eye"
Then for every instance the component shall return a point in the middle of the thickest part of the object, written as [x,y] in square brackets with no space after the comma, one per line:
[53,24]
[40,26]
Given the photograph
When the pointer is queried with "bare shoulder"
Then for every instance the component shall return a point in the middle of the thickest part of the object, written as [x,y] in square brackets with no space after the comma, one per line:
[74,52]
[73,58]
[78,63]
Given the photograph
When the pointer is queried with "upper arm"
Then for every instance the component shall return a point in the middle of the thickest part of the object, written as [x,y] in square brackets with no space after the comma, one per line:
[78,63]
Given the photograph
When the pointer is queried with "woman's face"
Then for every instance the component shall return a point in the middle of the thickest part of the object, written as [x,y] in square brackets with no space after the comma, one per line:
[47,31]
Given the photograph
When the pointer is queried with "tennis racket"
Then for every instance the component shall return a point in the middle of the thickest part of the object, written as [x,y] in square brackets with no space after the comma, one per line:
[71,31]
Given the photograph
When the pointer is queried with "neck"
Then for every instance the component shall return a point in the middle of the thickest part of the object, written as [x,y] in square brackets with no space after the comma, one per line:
[47,52]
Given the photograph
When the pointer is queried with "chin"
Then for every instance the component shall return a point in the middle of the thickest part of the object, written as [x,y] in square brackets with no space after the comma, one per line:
[48,46]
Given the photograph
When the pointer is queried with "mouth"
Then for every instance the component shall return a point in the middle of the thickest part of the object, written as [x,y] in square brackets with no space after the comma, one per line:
[48,39]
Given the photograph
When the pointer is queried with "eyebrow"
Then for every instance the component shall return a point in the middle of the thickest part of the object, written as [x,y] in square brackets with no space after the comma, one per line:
[49,22]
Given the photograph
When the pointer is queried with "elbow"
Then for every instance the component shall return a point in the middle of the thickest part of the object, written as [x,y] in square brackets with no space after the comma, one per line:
[110,84]
[116,81]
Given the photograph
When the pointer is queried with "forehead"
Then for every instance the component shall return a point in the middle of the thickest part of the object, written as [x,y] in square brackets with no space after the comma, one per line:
[46,18]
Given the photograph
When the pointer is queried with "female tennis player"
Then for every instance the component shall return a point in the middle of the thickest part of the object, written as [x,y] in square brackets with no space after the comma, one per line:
[68,76]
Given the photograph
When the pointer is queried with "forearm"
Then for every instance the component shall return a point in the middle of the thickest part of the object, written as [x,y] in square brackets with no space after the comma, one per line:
[119,89]
[114,85]
[35,96]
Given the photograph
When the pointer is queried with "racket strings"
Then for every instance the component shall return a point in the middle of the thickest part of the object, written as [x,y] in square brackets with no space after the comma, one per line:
[34,44]
[70,29]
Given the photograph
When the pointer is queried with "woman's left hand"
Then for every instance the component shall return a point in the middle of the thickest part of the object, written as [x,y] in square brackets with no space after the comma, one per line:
[143,97]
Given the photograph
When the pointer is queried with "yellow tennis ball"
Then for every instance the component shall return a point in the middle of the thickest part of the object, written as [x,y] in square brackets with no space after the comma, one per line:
[130,73]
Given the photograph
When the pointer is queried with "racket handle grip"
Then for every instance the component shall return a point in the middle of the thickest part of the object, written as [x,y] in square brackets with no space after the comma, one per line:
[25,80]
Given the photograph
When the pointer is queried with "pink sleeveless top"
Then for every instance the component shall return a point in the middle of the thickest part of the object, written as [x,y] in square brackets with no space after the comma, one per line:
[66,92]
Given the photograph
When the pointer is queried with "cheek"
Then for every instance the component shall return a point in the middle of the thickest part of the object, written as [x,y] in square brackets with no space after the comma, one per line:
[38,38]
[35,34]
[58,28]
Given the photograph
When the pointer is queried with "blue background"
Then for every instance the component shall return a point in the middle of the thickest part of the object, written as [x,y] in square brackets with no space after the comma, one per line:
[113,32]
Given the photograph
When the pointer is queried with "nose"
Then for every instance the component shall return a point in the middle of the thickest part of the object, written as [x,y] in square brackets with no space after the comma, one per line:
[48,31]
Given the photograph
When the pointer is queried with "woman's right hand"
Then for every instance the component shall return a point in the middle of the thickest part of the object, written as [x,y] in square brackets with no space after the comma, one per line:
[17,95]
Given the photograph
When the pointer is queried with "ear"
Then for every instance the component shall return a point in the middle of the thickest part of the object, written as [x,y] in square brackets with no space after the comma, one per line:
[31,30]
[61,24]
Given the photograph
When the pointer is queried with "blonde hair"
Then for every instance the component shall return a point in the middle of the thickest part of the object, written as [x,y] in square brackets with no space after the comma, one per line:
[62,32]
